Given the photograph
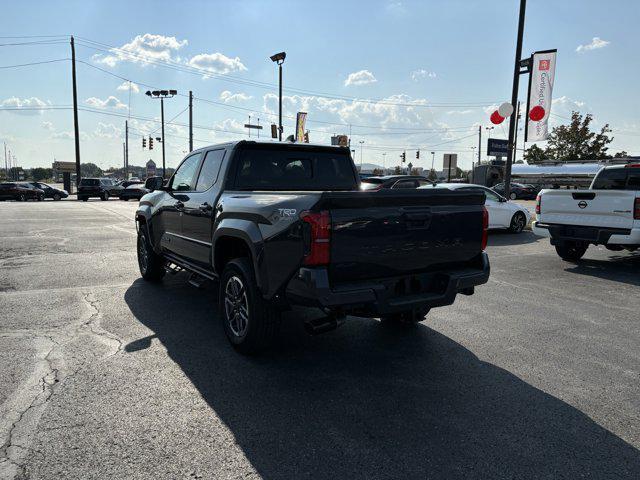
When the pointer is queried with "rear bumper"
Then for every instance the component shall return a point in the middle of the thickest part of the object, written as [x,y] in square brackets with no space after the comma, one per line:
[560,234]
[311,287]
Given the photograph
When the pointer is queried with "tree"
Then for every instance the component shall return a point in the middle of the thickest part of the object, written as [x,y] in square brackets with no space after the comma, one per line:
[576,141]
[378,171]
[432,175]
[397,170]
[534,154]
[40,174]
[90,170]
[622,154]
[414,171]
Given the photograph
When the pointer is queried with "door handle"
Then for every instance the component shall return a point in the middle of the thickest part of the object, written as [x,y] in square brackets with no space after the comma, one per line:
[205,207]
[179,205]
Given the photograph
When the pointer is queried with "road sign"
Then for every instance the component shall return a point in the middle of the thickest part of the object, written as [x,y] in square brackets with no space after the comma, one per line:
[340,140]
[496,147]
[250,125]
[450,159]
[62,167]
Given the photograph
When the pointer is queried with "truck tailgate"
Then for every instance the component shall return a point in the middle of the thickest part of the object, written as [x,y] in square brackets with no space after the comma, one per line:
[390,232]
[596,208]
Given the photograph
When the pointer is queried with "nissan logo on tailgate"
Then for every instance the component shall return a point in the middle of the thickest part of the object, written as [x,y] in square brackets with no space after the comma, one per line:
[582,204]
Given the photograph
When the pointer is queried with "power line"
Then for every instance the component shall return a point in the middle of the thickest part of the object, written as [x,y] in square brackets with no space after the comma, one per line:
[200,71]
[34,63]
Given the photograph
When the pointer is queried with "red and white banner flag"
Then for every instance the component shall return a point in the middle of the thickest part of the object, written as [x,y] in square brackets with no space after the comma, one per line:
[542,75]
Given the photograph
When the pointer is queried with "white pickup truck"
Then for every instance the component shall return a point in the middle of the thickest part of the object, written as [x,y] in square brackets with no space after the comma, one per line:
[608,213]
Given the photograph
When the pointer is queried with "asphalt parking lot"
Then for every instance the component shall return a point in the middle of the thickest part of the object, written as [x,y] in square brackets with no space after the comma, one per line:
[105,376]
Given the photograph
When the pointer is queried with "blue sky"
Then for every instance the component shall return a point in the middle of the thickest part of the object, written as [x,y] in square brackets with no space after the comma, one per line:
[436,66]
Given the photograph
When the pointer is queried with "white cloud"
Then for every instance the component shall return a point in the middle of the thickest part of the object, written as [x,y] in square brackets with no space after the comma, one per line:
[396,8]
[385,113]
[421,73]
[143,49]
[596,43]
[567,102]
[460,112]
[107,130]
[109,102]
[48,126]
[30,105]
[363,77]
[68,136]
[226,96]
[216,63]
[125,86]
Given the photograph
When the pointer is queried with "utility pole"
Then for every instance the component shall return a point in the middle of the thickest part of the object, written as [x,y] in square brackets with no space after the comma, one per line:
[124,160]
[76,128]
[479,144]
[190,121]
[514,100]
[6,167]
[162,120]
[126,149]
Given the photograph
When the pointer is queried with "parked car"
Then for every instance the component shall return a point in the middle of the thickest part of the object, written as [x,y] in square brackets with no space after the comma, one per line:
[502,213]
[135,191]
[518,191]
[394,181]
[102,188]
[281,224]
[608,214]
[51,192]
[20,191]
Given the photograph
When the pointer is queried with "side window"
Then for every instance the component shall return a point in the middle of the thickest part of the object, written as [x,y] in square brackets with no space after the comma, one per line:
[422,183]
[491,196]
[185,175]
[405,184]
[611,179]
[634,181]
[210,169]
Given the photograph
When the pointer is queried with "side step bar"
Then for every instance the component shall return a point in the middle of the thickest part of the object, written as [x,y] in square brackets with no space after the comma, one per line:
[196,270]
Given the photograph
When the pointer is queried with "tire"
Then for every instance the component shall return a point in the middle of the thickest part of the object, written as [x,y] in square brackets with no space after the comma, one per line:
[105,196]
[249,322]
[56,197]
[572,251]
[22,198]
[513,196]
[404,318]
[125,199]
[518,222]
[40,198]
[150,263]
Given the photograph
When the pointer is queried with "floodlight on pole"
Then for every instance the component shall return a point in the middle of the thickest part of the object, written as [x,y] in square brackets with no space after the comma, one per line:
[278,58]
[162,94]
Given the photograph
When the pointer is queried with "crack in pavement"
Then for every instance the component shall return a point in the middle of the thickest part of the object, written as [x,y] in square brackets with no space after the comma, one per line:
[22,412]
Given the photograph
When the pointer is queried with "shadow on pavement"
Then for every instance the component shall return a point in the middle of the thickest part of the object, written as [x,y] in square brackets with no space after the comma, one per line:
[368,401]
[622,267]
[501,238]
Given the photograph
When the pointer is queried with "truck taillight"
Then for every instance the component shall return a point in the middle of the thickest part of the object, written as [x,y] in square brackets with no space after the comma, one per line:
[320,237]
[636,209]
[485,227]
[538,204]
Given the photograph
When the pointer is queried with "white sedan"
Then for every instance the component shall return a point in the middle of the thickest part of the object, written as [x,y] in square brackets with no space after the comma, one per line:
[502,213]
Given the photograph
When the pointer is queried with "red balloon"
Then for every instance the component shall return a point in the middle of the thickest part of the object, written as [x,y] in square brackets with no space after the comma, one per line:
[536,113]
[496,118]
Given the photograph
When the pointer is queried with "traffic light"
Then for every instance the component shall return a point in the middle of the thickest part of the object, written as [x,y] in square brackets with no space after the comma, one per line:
[418,155]
[403,156]
[144,142]
[274,130]
[150,143]
[306,136]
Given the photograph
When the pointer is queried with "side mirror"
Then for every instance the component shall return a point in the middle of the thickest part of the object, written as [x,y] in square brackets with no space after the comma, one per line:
[154,183]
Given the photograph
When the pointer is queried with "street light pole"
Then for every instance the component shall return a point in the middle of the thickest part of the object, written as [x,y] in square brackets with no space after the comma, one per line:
[162,121]
[514,100]
[162,94]
[278,58]
[433,159]
[384,162]
[361,143]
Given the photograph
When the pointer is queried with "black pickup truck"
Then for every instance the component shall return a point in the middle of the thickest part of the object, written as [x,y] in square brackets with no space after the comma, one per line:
[282,224]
